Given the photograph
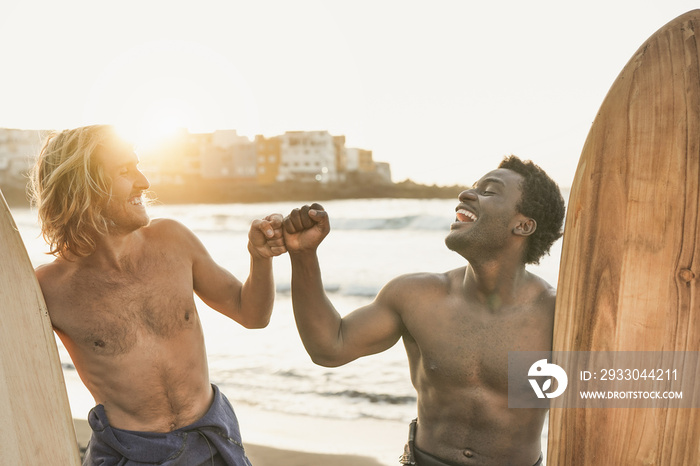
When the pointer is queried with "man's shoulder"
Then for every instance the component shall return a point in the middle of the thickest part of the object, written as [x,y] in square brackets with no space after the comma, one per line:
[546,290]
[542,293]
[53,272]
[164,224]
[167,229]
[55,279]
[421,282]
[166,234]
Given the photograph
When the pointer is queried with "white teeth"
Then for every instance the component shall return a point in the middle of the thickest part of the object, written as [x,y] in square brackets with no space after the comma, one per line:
[135,201]
[467,214]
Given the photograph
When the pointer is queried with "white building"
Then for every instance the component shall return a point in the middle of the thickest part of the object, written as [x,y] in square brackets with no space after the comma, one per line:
[352,159]
[308,156]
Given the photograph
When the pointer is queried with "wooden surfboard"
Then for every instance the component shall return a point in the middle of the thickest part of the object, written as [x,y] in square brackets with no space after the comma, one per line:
[36,426]
[630,269]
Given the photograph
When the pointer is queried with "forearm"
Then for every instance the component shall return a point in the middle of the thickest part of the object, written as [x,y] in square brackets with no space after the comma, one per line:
[257,294]
[318,322]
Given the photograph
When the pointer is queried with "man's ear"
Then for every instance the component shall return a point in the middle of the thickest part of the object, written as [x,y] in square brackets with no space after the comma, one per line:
[525,227]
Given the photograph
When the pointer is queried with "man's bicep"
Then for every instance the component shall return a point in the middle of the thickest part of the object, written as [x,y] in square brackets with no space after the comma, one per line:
[216,286]
[371,329]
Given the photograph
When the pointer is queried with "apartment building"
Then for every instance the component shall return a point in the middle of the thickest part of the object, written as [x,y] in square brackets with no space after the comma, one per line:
[340,157]
[229,155]
[383,172]
[268,151]
[360,166]
[308,156]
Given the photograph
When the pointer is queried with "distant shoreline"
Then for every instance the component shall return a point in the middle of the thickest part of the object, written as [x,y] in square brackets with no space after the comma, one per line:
[218,192]
[224,192]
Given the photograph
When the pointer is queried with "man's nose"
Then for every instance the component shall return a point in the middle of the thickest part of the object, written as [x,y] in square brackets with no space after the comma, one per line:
[467,195]
[142,182]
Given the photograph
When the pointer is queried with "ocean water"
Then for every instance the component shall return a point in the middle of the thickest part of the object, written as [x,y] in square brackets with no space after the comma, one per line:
[371,242]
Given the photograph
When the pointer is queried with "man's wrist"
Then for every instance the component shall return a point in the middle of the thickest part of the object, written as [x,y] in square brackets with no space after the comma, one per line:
[303,257]
[255,253]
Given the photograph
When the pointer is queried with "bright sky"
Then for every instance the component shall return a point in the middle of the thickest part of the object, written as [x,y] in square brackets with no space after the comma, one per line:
[441,89]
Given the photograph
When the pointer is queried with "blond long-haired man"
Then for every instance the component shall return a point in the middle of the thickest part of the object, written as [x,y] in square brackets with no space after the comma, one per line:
[120,297]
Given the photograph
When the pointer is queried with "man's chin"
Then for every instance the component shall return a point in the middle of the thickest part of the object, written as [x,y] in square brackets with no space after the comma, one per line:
[452,242]
[459,243]
[129,227]
[145,223]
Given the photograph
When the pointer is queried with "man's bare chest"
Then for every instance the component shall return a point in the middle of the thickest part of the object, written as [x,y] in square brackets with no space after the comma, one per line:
[110,314]
[456,345]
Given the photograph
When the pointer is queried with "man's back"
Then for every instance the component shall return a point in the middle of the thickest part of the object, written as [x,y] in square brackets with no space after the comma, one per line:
[133,331]
[458,349]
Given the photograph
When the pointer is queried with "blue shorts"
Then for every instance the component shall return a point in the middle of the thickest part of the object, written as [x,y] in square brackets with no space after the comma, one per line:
[214,439]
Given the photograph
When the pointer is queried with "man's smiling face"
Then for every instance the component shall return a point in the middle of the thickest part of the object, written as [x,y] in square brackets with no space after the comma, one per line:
[486,213]
[124,207]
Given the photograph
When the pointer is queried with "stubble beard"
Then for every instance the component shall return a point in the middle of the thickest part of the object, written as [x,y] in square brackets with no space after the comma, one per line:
[477,242]
[124,222]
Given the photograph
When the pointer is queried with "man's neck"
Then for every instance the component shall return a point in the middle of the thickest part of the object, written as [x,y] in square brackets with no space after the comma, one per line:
[494,282]
[115,251]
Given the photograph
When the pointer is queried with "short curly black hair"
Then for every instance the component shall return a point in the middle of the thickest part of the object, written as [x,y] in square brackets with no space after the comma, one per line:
[542,201]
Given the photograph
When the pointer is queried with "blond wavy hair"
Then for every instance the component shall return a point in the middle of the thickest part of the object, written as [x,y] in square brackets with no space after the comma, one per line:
[70,189]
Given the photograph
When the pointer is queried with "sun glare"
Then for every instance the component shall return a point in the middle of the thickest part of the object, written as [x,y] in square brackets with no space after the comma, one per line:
[157,88]
[159,121]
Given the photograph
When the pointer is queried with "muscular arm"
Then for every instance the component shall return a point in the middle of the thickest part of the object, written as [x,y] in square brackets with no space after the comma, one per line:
[332,340]
[249,304]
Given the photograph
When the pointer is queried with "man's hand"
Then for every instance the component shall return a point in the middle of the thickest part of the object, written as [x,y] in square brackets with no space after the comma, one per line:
[266,238]
[305,228]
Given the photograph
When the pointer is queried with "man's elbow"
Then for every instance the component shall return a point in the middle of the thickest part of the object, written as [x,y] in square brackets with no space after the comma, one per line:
[255,323]
[326,359]
[252,318]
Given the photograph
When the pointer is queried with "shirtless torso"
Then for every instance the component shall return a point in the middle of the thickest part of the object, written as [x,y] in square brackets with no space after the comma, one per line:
[134,333]
[120,292]
[457,327]
[458,357]
[132,328]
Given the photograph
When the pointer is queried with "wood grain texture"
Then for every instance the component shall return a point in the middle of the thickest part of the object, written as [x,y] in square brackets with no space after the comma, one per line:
[36,427]
[630,268]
